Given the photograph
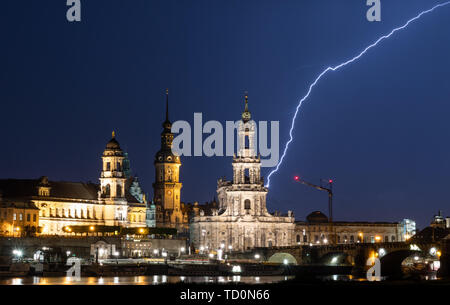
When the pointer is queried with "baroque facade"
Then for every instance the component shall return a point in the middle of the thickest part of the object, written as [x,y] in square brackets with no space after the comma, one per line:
[241,220]
[116,201]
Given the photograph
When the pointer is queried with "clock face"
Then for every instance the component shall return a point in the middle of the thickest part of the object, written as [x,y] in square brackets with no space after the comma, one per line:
[169,193]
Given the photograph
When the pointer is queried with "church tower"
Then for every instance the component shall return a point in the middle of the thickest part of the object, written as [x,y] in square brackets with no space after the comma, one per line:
[242,221]
[167,184]
[247,194]
[112,184]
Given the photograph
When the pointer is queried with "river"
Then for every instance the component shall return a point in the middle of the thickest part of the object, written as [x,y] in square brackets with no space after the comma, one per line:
[142,280]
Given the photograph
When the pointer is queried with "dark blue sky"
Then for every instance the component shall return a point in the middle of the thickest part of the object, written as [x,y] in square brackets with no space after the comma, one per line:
[378,127]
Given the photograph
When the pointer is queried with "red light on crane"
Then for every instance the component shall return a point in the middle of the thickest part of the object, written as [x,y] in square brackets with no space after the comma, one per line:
[330,181]
[296,178]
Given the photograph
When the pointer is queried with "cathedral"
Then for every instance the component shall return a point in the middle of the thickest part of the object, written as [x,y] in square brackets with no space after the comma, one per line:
[241,220]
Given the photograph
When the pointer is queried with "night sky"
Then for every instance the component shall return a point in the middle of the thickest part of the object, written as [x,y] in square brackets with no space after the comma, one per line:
[378,127]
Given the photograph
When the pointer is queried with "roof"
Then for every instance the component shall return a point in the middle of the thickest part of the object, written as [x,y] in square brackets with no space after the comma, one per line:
[317,217]
[25,188]
[28,188]
[27,205]
[113,144]
[430,234]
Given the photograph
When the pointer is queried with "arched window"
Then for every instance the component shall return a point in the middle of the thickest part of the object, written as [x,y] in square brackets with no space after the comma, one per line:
[108,166]
[108,190]
[247,204]
[298,238]
[119,167]
[118,191]
[246,175]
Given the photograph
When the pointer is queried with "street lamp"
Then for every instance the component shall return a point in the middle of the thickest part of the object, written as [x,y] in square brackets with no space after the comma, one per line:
[18,253]
[182,249]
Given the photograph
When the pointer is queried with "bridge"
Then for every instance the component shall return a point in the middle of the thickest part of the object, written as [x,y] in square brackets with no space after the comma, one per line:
[391,254]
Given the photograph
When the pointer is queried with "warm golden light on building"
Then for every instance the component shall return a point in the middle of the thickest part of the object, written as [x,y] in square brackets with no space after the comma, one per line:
[91,228]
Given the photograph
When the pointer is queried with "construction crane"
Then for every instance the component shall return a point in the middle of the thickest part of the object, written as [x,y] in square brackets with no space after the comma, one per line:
[330,202]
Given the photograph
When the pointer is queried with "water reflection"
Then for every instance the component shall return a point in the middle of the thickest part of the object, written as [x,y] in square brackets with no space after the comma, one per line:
[143,280]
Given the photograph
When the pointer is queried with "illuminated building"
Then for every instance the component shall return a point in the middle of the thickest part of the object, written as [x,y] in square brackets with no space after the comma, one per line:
[170,212]
[408,228]
[316,230]
[241,220]
[64,204]
[18,218]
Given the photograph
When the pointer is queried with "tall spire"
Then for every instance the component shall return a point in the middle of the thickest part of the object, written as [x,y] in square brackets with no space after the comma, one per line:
[167,105]
[166,124]
[246,114]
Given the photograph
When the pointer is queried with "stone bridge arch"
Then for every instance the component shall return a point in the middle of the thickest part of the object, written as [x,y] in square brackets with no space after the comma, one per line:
[283,258]
[391,263]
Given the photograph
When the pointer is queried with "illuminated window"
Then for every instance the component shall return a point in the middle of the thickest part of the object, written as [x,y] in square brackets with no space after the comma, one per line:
[14,216]
[20,216]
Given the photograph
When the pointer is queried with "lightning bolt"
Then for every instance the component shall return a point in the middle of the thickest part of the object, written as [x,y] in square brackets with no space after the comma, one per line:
[313,84]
